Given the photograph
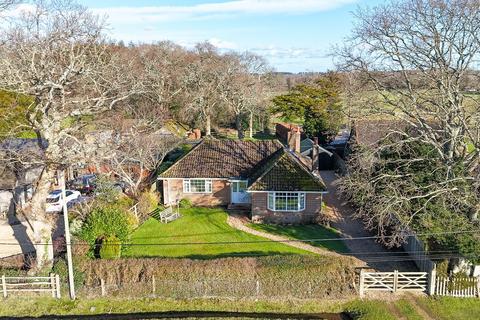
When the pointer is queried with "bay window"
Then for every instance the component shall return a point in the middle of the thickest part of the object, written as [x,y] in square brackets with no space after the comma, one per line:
[286,201]
[197,186]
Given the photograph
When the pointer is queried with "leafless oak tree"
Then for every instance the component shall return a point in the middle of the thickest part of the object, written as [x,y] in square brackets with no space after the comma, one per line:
[57,54]
[416,54]
[203,81]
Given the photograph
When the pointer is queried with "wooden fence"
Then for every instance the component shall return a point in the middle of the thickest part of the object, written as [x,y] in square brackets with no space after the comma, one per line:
[393,281]
[457,287]
[49,284]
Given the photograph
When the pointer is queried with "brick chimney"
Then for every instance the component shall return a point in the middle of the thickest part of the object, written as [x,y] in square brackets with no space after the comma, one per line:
[315,155]
[197,133]
[293,139]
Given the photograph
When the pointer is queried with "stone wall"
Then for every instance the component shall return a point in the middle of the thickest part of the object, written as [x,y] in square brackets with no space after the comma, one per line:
[261,214]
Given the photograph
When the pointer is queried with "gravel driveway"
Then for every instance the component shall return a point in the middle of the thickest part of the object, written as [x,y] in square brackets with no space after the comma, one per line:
[373,254]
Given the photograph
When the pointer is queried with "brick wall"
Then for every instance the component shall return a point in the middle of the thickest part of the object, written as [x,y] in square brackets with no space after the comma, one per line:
[220,196]
[261,214]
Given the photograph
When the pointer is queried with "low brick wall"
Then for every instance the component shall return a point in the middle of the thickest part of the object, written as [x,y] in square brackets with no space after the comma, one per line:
[261,214]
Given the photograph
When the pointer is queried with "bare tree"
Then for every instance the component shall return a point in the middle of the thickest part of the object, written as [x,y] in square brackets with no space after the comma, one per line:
[415,55]
[7,4]
[57,54]
[203,80]
[243,87]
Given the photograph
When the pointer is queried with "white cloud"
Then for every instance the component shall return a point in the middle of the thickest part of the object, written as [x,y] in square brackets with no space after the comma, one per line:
[218,9]
[222,44]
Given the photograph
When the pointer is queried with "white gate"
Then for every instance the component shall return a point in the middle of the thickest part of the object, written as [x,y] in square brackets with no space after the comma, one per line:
[393,281]
[22,285]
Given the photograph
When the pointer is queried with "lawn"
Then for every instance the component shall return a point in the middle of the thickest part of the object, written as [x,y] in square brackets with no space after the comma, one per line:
[192,235]
[304,232]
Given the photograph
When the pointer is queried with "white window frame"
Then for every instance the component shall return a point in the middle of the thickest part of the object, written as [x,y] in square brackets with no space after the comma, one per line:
[187,186]
[272,196]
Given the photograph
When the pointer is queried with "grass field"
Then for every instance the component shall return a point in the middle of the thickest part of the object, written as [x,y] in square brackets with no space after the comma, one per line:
[180,238]
[444,308]
[306,232]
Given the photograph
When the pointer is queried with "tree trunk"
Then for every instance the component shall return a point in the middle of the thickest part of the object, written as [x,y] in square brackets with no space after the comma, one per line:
[239,127]
[250,125]
[208,126]
[41,223]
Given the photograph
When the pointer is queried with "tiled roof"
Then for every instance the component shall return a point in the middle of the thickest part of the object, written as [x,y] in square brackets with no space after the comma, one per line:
[286,173]
[223,159]
[369,132]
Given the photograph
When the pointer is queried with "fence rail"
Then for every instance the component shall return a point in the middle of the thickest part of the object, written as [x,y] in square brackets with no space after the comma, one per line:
[49,284]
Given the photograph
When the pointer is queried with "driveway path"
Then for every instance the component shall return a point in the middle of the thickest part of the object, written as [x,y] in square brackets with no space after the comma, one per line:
[373,254]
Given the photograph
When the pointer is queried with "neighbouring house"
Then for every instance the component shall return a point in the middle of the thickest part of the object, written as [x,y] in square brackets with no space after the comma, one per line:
[370,132]
[276,184]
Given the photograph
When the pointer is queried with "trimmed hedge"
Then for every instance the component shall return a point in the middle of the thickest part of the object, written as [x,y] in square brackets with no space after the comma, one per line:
[274,276]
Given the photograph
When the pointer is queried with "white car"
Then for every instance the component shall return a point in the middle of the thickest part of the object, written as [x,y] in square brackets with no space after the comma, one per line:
[55,201]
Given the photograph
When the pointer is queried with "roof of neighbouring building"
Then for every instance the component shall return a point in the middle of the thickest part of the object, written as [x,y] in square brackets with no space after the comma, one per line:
[370,132]
[266,164]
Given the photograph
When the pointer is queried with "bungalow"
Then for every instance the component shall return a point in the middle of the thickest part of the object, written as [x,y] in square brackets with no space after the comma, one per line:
[274,183]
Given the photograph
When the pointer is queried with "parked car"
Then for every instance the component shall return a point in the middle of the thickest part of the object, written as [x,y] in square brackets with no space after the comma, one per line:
[86,184]
[55,200]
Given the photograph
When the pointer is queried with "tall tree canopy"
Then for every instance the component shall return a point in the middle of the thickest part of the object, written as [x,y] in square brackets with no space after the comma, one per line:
[317,105]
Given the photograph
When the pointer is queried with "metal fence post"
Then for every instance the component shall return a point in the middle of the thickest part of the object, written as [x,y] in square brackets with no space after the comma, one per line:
[4,286]
[361,290]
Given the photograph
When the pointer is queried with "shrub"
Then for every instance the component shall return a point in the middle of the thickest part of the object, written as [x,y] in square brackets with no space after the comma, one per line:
[106,221]
[147,202]
[75,226]
[106,191]
[60,267]
[80,248]
[110,248]
[185,203]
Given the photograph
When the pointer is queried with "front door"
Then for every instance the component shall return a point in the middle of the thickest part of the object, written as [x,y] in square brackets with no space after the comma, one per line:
[239,192]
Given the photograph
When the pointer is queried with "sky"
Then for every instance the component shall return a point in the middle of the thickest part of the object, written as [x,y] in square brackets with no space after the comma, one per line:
[293,35]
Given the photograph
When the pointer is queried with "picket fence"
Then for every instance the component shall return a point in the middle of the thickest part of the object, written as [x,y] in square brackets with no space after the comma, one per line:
[49,284]
[457,287]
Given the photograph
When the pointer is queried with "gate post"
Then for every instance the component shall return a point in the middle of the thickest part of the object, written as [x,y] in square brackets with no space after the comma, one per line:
[432,281]
[361,290]
[52,285]
[395,280]
[4,286]
[57,284]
